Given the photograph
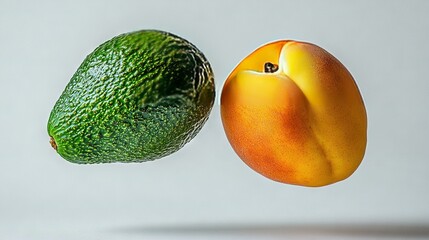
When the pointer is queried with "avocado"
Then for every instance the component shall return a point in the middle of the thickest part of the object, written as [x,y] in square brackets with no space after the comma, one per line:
[137,97]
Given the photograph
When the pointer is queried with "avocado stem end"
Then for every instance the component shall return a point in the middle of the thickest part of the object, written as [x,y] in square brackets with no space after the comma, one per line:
[53,143]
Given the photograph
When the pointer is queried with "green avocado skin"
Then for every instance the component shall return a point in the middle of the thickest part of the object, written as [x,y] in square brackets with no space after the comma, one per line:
[137,97]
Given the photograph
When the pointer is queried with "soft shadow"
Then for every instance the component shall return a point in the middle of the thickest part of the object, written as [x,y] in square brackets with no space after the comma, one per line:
[360,230]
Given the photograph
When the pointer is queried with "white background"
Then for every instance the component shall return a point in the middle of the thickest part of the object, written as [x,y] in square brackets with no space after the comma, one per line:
[205,189]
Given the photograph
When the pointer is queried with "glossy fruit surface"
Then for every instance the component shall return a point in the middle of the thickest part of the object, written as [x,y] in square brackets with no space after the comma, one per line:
[137,97]
[293,113]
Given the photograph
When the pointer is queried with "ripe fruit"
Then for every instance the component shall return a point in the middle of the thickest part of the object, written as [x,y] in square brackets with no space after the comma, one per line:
[293,113]
[137,97]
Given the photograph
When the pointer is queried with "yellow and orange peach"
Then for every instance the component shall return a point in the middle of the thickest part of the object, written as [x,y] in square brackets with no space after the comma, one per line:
[293,113]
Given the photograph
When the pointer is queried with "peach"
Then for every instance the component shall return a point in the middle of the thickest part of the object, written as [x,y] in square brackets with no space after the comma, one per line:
[293,113]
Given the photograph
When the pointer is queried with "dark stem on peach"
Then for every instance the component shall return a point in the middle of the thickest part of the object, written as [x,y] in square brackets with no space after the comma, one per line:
[270,67]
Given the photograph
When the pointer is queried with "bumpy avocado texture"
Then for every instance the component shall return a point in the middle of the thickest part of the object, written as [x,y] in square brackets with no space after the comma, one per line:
[137,97]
